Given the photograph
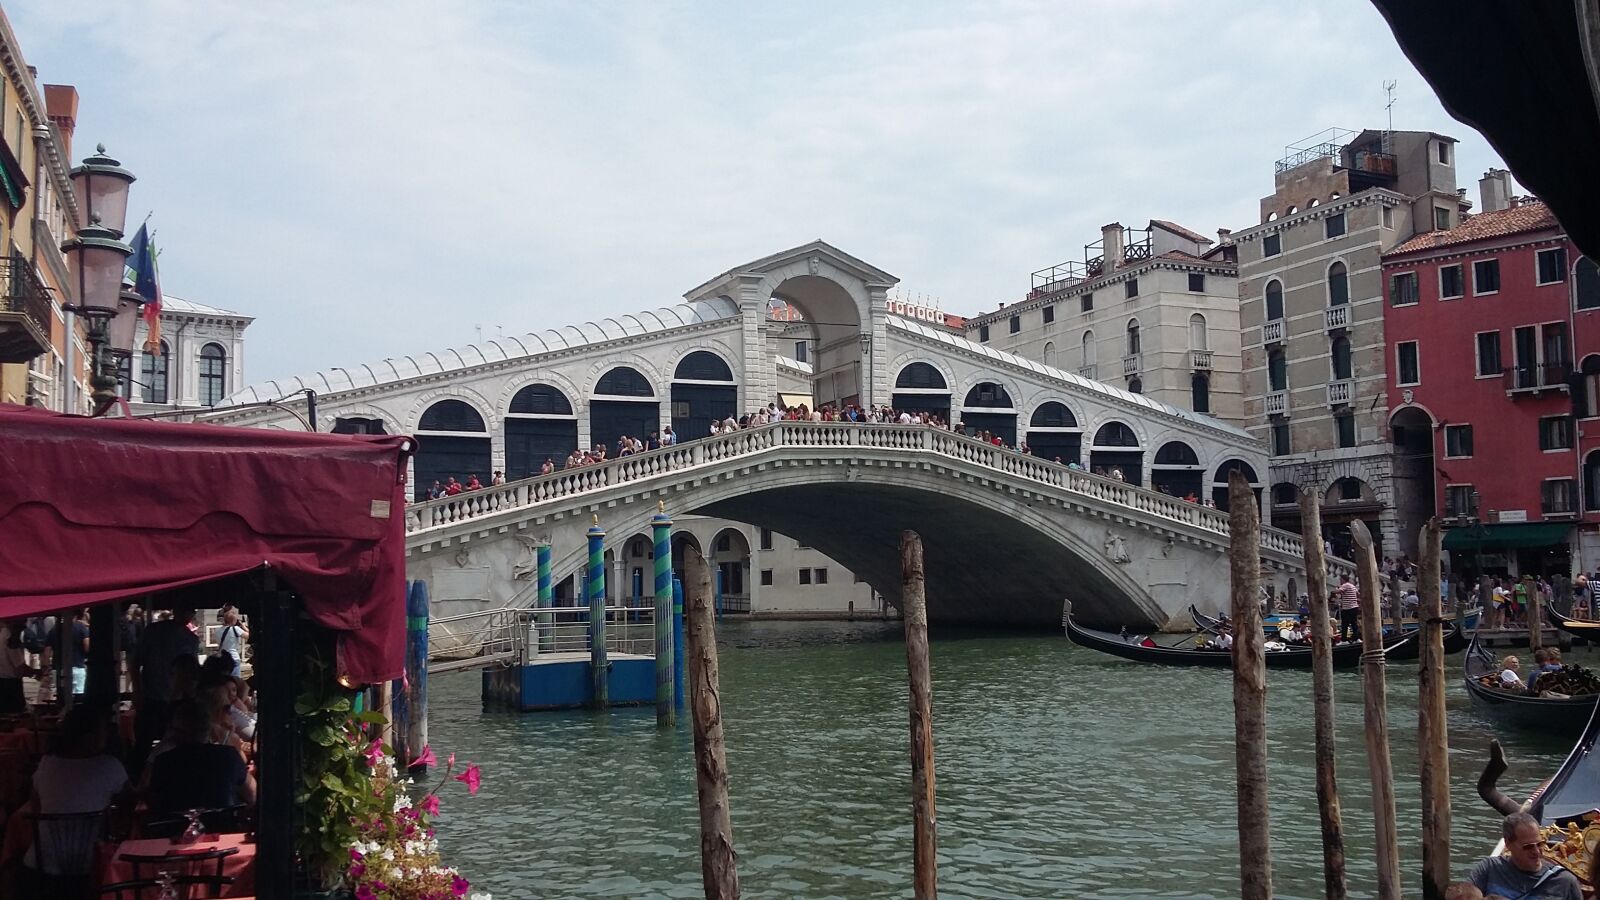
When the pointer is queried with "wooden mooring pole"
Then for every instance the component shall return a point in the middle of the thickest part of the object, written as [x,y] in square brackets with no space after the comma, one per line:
[1335,885]
[719,871]
[1376,715]
[1433,739]
[1535,615]
[924,815]
[1249,691]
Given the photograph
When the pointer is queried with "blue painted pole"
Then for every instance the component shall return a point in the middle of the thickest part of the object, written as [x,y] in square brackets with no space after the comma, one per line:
[666,688]
[547,620]
[416,688]
[718,607]
[677,642]
[597,615]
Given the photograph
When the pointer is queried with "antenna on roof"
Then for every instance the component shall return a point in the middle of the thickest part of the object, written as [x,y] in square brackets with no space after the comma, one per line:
[1388,91]
[479,330]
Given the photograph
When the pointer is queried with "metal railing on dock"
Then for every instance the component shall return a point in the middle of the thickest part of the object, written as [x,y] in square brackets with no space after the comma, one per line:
[512,635]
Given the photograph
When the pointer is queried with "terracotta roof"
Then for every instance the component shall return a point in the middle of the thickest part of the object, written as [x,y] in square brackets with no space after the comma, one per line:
[1182,232]
[952,320]
[1532,216]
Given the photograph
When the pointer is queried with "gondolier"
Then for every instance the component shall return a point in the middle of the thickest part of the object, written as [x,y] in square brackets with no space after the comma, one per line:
[1349,609]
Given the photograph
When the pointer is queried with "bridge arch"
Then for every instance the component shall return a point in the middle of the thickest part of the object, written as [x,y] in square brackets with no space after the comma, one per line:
[540,424]
[1054,433]
[681,538]
[452,442]
[703,391]
[1219,483]
[623,401]
[922,386]
[730,568]
[1116,447]
[1176,470]
[835,310]
[989,404]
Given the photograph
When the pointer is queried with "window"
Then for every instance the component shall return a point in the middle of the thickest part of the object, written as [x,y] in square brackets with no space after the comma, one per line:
[1130,288]
[213,374]
[1586,284]
[1088,348]
[1086,302]
[1344,429]
[805,576]
[800,349]
[1133,338]
[1197,333]
[153,369]
[766,538]
[1274,300]
[1197,282]
[1489,354]
[1444,153]
[1200,392]
[1277,371]
[1016,324]
[1555,433]
[1272,245]
[1049,314]
[1340,351]
[1403,289]
[1338,285]
[124,372]
[766,578]
[819,576]
[983,334]
[1457,441]
[1349,488]
[1441,219]
[1388,217]
[1284,494]
[1486,276]
[724,543]
[1552,265]
[1450,283]
[1591,481]
[1135,386]
[1333,226]
[1460,500]
[1406,362]
[1280,439]
[1559,496]
[1050,353]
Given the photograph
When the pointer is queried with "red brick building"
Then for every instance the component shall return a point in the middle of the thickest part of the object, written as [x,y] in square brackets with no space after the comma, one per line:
[1493,347]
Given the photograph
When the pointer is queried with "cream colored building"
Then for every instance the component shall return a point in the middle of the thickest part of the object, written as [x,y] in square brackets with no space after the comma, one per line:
[200,362]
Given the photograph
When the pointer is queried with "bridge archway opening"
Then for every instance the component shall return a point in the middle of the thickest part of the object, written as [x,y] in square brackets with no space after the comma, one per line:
[1219,484]
[540,425]
[920,387]
[832,318]
[988,407]
[624,403]
[703,392]
[1116,446]
[638,569]
[680,540]
[1344,501]
[1054,433]
[730,559]
[1286,506]
[452,442]
[1176,470]
[1415,497]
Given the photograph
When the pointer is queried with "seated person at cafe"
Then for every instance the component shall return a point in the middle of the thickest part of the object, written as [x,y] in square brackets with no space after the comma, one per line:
[195,773]
[77,775]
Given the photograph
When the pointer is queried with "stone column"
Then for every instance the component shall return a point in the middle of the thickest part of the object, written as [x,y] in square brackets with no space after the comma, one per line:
[759,383]
[875,384]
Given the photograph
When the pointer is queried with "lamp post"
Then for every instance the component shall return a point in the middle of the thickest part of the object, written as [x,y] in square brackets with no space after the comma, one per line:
[99,257]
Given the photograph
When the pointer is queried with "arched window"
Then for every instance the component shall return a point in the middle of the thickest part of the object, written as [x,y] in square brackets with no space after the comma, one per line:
[1587,402]
[213,374]
[1176,453]
[1291,210]
[1115,434]
[1285,494]
[1277,371]
[1197,333]
[988,394]
[1274,300]
[1338,285]
[1341,358]
[1049,353]
[920,375]
[125,377]
[358,425]
[1313,203]
[451,415]
[703,365]
[1346,489]
[1586,284]
[624,382]
[1133,337]
[1591,481]
[1135,385]
[1088,348]
[153,374]
[1219,483]
[1200,392]
[1053,415]
[540,400]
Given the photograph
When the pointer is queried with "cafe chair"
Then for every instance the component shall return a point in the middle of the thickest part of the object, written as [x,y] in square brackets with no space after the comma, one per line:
[191,887]
[64,853]
[179,862]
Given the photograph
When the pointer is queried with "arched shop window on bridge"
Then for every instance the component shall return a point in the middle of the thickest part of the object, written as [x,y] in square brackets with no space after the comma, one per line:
[921,388]
[1116,446]
[452,442]
[703,392]
[540,425]
[1054,434]
[1219,484]
[359,425]
[1176,470]
[624,403]
[988,408]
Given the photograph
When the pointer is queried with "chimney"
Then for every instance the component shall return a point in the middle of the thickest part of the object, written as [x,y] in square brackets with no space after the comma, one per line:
[1111,246]
[61,106]
[1224,235]
[1494,190]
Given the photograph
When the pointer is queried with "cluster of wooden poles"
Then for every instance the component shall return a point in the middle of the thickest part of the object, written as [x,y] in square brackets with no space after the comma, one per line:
[718,862]
[1250,701]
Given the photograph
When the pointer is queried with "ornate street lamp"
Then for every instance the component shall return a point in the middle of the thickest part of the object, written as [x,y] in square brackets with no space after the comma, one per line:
[99,257]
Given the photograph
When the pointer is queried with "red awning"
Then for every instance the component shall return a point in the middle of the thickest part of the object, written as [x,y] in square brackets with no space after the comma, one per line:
[93,510]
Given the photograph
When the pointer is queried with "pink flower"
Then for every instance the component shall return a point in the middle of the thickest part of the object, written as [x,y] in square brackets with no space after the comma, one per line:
[358,870]
[374,753]
[426,759]
[354,853]
[363,892]
[450,763]
[430,804]
[470,778]
[459,886]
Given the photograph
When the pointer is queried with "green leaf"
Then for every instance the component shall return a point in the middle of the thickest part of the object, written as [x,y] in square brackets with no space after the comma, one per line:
[371,717]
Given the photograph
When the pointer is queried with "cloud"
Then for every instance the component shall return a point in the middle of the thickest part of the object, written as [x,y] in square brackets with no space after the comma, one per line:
[373,179]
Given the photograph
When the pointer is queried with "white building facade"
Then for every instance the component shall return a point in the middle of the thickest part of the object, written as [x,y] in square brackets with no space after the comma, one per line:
[200,361]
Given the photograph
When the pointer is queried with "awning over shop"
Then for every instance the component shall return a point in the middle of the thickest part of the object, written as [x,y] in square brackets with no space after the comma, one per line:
[95,510]
[790,401]
[1506,536]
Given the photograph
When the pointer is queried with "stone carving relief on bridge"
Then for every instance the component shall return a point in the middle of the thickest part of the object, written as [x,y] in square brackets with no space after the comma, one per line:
[526,567]
[1116,549]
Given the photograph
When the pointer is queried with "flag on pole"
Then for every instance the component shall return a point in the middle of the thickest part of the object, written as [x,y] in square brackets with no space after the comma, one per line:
[147,283]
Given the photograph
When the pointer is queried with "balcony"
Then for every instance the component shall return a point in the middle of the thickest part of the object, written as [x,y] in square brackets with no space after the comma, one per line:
[25,312]
[1272,332]
[1130,364]
[1337,317]
[1090,371]
[1277,403]
[1535,378]
[1200,360]
[1340,392]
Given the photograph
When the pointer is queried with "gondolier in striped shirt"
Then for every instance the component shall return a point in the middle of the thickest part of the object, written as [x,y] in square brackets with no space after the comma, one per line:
[1349,609]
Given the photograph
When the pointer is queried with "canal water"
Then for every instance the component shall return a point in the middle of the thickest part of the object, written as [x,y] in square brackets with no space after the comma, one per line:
[1062,773]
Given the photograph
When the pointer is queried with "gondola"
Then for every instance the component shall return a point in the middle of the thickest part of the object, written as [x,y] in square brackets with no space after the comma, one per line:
[1578,628]
[1455,640]
[1344,655]
[1562,717]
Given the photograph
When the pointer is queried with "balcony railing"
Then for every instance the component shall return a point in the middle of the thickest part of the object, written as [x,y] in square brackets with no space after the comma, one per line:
[1089,371]
[1337,317]
[1130,364]
[1272,332]
[1277,403]
[25,311]
[1340,392]
[1200,360]
[1538,376]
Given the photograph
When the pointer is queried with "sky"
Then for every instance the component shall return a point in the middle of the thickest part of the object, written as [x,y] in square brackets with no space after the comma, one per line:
[369,179]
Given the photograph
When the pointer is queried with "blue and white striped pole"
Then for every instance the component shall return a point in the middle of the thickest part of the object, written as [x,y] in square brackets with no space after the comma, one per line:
[597,614]
[547,620]
[661,526]
[678,657]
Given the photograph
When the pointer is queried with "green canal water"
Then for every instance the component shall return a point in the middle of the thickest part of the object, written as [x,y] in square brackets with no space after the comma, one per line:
[1061,773]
